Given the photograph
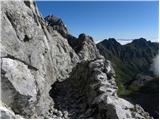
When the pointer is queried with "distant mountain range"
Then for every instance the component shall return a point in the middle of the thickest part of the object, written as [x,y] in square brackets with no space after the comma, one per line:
[132,64]
[132,58]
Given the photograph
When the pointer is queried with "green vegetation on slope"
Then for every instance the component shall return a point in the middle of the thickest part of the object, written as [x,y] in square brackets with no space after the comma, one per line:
[128,60]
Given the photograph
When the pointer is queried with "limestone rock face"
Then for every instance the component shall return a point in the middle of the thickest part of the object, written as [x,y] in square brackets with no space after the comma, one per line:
[19,85]
[32,59]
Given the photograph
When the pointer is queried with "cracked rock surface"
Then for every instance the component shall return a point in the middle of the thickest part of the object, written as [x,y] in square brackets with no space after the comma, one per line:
[26,42]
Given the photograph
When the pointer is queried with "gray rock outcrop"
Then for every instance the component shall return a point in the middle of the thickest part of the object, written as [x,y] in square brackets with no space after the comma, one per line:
[7,113]
[36,58]
[32,59]
[84,46]
[94,84]
[57,24]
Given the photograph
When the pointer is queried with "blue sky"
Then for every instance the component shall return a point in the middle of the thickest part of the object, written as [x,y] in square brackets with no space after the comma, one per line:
[105,19]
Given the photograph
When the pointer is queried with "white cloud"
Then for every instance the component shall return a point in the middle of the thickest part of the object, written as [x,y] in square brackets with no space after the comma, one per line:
[97,41]
[155,65]
[124,41]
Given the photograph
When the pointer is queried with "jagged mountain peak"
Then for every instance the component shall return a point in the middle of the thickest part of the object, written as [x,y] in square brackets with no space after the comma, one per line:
[52,18]
[112,40]
[57,24]
[111,43]
[84,37]
[137,55]
[141,42]
[133,58]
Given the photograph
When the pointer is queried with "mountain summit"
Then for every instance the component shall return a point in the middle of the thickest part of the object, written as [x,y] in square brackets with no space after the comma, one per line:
[132,58]
[132,63]
[56,24]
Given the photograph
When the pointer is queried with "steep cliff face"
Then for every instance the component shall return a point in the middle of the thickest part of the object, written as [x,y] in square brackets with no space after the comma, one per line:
[35,57]
[32,59]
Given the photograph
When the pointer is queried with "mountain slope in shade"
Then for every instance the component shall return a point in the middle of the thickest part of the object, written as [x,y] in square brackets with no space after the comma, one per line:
[147,96]
[132,63]
[133,58]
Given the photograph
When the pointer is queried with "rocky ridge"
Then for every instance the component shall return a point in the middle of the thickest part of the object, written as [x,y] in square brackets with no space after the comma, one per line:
[57,24]
[39,65]
[133,58]
[92,93]
[132,63]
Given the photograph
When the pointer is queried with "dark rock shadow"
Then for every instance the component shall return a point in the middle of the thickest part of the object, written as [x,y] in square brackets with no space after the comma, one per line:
[67,98]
